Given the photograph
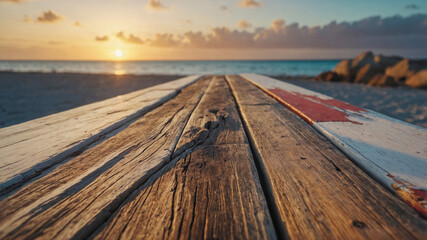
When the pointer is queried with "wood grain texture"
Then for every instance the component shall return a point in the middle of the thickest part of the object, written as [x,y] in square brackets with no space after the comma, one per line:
[28,148]
[319,192]
[77,197]
[210,191]
[391,151]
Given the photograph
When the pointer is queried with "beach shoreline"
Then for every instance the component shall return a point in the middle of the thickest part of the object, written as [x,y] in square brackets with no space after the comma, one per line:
[29,95]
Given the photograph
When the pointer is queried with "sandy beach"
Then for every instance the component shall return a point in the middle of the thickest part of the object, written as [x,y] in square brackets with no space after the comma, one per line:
[26,96]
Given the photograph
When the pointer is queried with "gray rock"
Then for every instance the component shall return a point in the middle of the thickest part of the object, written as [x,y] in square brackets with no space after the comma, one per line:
[343,68]
[419,80]
[348,69]
[361,61]
[329,76]
[366,73]
[383,81]
[385,61]
[406,68]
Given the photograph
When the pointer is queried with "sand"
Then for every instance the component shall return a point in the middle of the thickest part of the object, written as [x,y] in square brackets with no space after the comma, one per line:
[26,96]
[404,103]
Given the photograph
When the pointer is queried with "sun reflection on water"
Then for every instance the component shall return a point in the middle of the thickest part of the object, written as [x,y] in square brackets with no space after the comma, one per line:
[118,68]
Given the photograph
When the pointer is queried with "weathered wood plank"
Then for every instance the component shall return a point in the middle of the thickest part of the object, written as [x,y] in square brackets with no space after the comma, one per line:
[210,192]
[76,197]
[28,148]
[319,192]
[391,151]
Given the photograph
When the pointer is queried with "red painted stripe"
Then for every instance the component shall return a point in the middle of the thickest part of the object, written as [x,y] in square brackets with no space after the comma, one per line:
[316,111]
[290,107]
[336,103]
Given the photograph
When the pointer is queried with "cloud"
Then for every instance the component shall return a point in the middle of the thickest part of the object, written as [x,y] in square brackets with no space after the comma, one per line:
[394,32]
[164,40]
[13,1]
[243,24]
[412,6]
[77,24]
[156,5]
[221,37]
[131,39]
[49,17]
[102,38]
[249,4]
[224,8]
[188,21]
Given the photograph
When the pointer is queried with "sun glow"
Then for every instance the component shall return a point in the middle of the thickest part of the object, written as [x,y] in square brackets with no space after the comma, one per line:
[119,53]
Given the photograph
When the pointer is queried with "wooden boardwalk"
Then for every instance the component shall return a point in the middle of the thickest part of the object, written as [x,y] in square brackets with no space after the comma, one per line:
[216,158]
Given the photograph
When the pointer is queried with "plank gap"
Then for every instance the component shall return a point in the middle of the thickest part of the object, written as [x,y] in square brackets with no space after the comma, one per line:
[278,224]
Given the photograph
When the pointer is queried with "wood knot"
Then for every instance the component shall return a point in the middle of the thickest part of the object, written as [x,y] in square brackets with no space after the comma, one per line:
[359,224]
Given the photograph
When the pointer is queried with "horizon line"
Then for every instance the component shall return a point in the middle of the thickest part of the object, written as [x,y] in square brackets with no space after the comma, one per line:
[174,60]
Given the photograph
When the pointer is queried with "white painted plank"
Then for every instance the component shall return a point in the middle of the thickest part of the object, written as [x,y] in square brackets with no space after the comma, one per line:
[28,148]
[391,151]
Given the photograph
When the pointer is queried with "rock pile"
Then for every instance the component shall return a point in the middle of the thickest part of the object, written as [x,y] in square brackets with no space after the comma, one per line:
[379,71]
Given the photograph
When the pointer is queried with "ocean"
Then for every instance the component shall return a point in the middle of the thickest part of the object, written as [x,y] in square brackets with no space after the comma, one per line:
[285,67]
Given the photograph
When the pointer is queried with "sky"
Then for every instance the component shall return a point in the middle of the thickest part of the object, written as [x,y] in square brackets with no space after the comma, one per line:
[210,29]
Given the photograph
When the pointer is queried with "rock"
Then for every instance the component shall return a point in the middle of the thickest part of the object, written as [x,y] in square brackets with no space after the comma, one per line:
[329,76]
[383,81]
[384,61]
[406,68]
[348,69]
[361,61]
[378,70]
[366,73]
[343,68]
[419,80]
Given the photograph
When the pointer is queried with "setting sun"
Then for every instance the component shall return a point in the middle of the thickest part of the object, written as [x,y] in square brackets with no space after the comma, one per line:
[119,53]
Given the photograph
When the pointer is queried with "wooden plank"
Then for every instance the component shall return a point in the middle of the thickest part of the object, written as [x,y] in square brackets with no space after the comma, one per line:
[28,148]
[391,151]
[76,197]
[210,192]
[319,192]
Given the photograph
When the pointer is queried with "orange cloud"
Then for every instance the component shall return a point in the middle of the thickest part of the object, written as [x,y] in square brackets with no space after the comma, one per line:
[131,39]
[49,17]
[249,3]
[243,24]
[156,5]
[101,38]
[77,24]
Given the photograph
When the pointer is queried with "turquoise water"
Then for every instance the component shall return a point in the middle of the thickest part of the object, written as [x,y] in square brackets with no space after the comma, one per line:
[288,67]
